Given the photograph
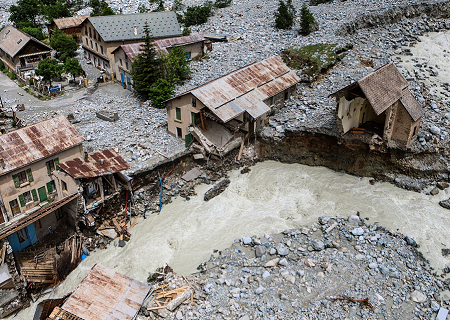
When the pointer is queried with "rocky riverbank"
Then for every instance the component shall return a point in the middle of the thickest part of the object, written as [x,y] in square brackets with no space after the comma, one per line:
[334,269]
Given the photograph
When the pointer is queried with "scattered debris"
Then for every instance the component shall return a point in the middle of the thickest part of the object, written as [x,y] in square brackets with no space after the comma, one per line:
[217,189]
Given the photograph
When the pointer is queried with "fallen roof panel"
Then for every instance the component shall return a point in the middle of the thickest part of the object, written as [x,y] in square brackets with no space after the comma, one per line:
[106,295]
[96,164]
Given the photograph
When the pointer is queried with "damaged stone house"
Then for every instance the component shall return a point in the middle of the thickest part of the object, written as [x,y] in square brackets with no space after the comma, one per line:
[21,52]
[195,46]
[97,176]
[220,112]
[103,34]
[379,109]
[40,203]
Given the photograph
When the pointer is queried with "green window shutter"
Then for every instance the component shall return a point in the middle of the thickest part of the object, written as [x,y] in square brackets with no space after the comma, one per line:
[34,194]
[56,163]
[49,187]
[21,200]
[16,180]
[30,176]
[48,168]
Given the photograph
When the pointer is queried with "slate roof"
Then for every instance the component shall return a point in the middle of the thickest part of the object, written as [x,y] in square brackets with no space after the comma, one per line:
[13,40]
[121,27]
[246,89]
[70,22]
[24,146]
[97,164]
[383,88]
[134,49]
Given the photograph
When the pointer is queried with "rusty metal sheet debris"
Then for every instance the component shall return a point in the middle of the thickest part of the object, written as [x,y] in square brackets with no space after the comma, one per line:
[96,164]
[106,295]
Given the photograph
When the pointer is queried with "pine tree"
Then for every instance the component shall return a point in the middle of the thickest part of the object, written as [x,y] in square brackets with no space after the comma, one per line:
[307,21]
[146,68]
[284,17]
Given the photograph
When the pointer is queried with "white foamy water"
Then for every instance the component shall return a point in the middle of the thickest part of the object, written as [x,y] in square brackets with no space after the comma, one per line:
[433,50]
[270,198]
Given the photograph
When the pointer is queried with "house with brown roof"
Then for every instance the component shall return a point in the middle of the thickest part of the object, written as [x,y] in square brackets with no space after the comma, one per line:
[379,105]
[20,51]
[102,35]
[195,46]
[33,200]
[71,26]
[240,101]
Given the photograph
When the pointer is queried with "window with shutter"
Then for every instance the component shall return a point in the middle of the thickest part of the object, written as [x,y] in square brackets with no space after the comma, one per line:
[34,194]
[30,176]
[56,163]
[21,200]
[14,207]
[16,180]
[49,187]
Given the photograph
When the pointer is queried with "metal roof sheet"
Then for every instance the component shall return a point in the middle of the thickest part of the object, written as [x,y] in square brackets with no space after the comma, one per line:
[246,89]
[13,40]
[43,139]
[106,295]
[70,22]
[121,27]
[97,164]
[134,49]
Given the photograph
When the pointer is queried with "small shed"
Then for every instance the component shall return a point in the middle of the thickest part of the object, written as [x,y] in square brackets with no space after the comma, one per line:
[380,103]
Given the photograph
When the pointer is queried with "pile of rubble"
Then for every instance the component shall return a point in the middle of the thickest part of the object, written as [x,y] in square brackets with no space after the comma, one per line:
[336,268]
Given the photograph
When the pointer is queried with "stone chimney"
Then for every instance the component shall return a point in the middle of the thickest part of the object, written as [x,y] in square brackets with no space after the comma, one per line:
[86,155]
[135,30]
[2,164]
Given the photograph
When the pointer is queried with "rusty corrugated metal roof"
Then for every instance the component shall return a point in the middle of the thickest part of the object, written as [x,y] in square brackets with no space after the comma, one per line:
[97,164]
[163,44]
[134,49]
[106,295]
[24,146]
[245,89]
[70,22]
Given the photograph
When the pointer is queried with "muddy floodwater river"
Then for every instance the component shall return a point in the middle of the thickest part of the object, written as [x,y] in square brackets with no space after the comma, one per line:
[270,198]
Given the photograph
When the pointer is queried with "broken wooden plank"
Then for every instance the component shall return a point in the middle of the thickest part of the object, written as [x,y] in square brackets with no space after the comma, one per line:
[240,150]
[162,154]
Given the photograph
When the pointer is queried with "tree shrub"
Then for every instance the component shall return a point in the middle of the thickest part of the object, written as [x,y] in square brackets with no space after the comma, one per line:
[222,3]
[284,18]
[307,21]
[196,15]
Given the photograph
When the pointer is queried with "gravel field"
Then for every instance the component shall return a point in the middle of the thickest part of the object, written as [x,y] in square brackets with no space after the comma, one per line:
[334,269]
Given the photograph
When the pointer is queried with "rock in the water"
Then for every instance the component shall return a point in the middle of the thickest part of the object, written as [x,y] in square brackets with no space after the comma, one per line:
[411,241]
[435,191]
[354,219]
[216,190]
[445,204]
[442,185]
